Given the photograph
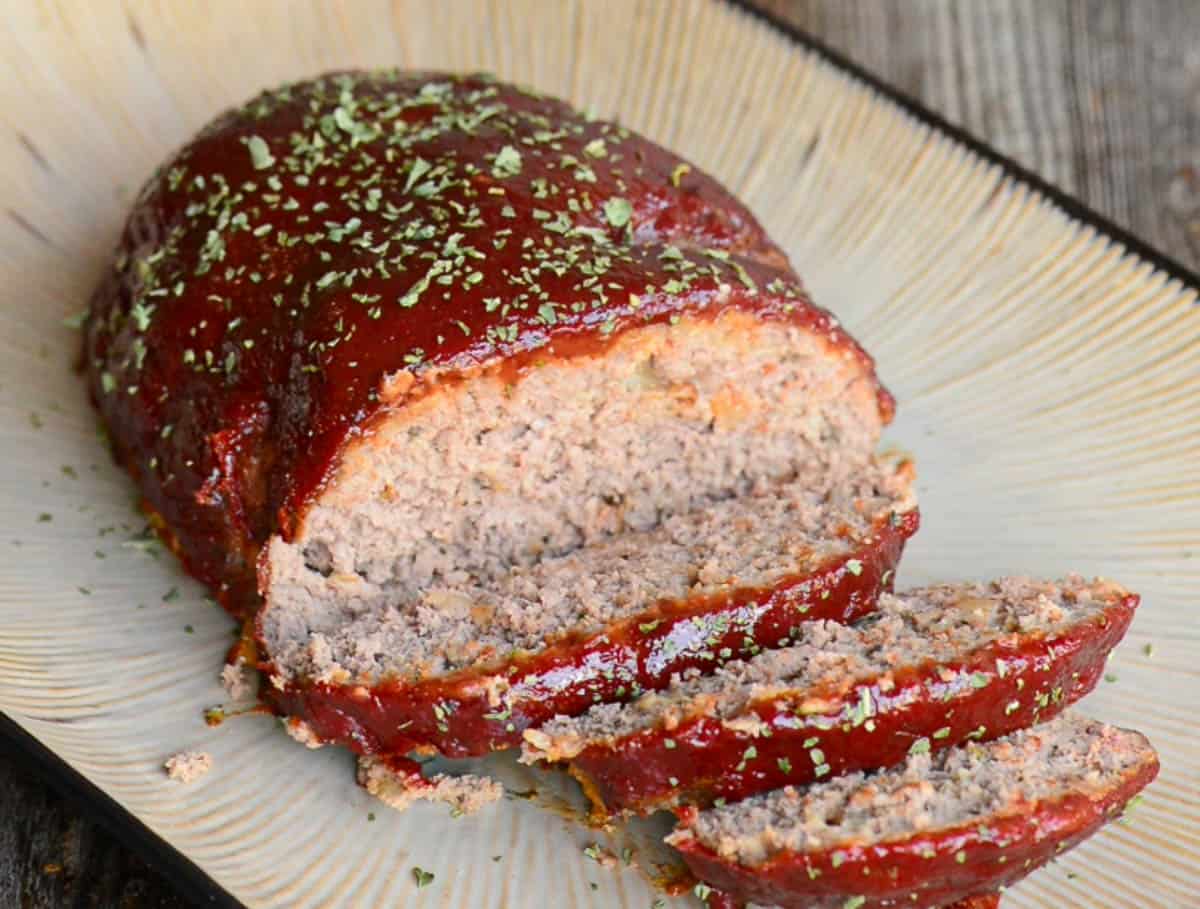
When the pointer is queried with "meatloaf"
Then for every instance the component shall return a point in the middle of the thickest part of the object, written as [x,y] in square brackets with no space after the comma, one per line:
[374,342]
[467,667]
[940,827]
[927,670]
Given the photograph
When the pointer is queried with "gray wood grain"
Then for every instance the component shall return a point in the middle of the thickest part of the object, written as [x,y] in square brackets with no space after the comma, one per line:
[1101,97]
[53,855]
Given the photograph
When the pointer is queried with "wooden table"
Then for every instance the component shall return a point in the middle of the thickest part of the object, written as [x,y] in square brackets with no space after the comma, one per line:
[1101,97]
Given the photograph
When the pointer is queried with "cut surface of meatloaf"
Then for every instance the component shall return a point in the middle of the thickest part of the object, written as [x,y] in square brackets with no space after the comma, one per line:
[929,669]
[938,828]
[410,327]
[466,667]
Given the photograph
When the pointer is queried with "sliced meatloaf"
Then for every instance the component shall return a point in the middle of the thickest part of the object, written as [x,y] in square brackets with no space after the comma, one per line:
[468,666]
[940,827]
[400,332]
[929,669]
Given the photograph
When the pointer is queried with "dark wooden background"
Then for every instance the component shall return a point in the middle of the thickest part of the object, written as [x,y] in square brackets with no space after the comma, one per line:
[1101,97]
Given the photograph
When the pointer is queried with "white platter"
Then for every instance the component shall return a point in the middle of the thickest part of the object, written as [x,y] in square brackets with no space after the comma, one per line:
[1048,380]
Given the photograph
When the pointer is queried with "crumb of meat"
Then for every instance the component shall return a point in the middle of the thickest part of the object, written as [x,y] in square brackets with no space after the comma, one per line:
[240,680]
[601,855]
[188,765]
[751,724]
[495,686]
[302,732]
[540,747]
[464,794]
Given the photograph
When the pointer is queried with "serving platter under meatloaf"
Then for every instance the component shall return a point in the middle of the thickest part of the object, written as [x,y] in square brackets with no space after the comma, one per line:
[1024,344]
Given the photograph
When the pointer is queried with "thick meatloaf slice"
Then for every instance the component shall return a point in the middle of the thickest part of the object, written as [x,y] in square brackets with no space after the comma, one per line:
[929,669]
[467,665]
[412,327]
[940,827]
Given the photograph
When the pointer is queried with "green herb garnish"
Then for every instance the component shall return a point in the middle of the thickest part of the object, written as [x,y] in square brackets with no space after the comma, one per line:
[422,877]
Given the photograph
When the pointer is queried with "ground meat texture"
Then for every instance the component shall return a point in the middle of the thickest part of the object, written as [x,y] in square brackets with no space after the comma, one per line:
[188,766]
[936,829]
[412,323]
[398,782]
[239,681]
[367,633]
[487,476]
[467,668]
[300,731]
[929,669]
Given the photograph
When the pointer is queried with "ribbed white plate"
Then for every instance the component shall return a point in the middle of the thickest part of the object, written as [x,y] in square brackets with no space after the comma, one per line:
[1049,385]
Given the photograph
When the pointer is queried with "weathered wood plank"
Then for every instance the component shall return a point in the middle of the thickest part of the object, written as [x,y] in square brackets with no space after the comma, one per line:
[1102,97]
[52,855]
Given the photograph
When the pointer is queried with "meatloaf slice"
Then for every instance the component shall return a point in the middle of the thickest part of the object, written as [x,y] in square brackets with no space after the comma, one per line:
[940,827]
[928,670]
[467,666]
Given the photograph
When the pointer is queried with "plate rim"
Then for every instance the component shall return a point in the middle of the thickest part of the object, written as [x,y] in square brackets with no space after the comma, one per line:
[195,885]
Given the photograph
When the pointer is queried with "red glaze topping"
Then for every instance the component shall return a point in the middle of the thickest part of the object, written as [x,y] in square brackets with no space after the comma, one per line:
[957,864]
[979,901]
[334,232]
[455,715]
[719,899]
[1008,685]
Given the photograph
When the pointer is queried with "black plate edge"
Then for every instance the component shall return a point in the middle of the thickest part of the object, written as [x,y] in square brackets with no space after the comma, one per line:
[187,877]
[192,882]
[936,121]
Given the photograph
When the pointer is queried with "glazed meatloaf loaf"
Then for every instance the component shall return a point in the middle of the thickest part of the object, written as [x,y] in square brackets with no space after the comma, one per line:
[382,349]
[938,828]
[928,670]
